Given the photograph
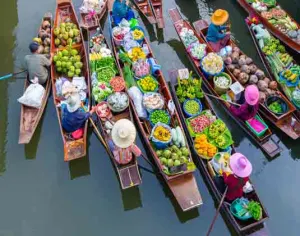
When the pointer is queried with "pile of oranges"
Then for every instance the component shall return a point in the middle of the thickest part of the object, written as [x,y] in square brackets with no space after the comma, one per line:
[203,147]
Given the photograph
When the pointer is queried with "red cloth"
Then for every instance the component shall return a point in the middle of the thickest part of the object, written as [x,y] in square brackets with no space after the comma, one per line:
[217,46]
[242,111]
[235,186]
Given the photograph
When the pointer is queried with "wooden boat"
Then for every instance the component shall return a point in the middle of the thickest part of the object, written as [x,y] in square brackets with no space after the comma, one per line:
[30,117]
[158,12]
[267,142]
[90,24]
[283,122]
[73,149]
[183,185]
[209,173]
[129,175]
[280,35]
[273,74]
[145,8]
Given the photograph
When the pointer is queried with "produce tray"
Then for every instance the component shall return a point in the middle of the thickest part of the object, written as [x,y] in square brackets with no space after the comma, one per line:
[261,133]
[190,129]
[226,134]
[143,91]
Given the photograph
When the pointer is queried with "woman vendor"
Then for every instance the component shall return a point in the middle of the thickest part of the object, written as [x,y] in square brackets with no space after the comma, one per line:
[215,34]
[241,169]
[121,10]
[73,115]
[250,107]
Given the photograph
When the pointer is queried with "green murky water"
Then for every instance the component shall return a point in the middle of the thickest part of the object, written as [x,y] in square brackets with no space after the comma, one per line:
[42,195]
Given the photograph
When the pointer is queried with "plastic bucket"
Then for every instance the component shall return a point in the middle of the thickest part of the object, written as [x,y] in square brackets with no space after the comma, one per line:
[222,90]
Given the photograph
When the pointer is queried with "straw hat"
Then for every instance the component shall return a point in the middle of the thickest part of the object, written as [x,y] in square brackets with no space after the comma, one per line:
[252,94]
[73,102]
[123,133]
[219,17]
[240,165]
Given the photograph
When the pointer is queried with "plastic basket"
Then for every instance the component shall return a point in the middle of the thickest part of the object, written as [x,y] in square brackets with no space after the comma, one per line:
[261,133]
[283,104]
[222,90]
[149,110]
[237,207]
[152,124]
[140,41]
[187,113]
[286,82]
[118,110]
[157,143]
[207,74]
[142,90]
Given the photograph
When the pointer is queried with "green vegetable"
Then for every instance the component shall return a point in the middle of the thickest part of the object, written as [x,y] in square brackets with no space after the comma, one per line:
[192,107]
[275,107]
[105,74]
[128,77]
[159,116]
[255,210]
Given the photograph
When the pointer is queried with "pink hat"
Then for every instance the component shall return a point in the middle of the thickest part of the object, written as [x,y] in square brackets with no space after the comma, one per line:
[240,165]
[252,94]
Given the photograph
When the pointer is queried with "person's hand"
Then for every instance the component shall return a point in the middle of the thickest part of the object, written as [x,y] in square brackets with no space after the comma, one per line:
[93,110]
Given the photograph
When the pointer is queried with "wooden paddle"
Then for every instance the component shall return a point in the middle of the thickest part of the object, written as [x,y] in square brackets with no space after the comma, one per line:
[11,75]
[233,103]
[217,212]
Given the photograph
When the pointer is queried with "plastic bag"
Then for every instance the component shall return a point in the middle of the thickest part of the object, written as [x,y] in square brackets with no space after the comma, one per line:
[80,84]
[154,66]
[124,23]
[248,188]
[137,97]
[58,86]
[33,96]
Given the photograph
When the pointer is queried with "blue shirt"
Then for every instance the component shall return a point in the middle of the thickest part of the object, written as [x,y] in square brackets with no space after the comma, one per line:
[120,8]
[72,121]
[214,33]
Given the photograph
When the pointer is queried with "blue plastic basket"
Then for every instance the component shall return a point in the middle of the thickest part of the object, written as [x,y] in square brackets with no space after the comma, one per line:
[207,74]
[188,114]
[288,83]
[140,41]
[152,124]
[237,206]
[157,143]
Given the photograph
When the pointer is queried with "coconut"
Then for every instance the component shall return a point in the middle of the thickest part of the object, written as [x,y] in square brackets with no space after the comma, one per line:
[243,78]
[253,79]
[273,85]
[253,68]
[245,69]
[231,67]
[262,85]
[46,24]
[248,60]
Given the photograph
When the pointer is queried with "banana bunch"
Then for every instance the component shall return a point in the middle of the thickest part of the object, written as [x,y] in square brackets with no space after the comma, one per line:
[95,56]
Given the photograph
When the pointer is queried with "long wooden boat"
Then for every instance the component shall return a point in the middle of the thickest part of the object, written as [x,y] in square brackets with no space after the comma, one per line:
[30,117]
[183,184]
[73,149]
[93,23]
[267,142]
[280,35]
[129,175]
[207,170]
[272,73]
[158,12]
[283,122]
[145,8]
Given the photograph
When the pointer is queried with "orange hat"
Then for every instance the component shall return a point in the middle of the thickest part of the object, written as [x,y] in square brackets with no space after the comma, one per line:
[219,17]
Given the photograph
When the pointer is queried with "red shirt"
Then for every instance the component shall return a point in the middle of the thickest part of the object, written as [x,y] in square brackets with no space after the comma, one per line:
[235,186]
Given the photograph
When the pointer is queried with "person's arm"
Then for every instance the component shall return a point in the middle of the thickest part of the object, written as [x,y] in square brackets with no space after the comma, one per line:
[237,111]
[46,62]
[218,35]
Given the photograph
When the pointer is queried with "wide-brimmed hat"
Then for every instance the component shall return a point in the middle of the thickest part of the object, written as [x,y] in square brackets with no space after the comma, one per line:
[252,94]
[73,102]
[219,17]
[123,133]
[240,165]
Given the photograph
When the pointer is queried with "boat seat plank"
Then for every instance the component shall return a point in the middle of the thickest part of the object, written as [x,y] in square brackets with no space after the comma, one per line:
[129,176]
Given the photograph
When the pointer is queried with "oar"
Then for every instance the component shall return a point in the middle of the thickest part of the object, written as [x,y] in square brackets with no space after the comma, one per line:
[11,74]
[233,103]
[217,213]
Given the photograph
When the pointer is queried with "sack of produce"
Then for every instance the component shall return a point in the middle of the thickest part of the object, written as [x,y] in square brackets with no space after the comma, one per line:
[153,101]
[33,96]
[197,50]
[161,135]
[137,98]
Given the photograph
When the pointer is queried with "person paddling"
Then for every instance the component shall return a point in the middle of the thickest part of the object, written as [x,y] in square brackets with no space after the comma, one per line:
[73,115]
[121,10]
[241,168]
[37,64]
[215,36]
[250,107]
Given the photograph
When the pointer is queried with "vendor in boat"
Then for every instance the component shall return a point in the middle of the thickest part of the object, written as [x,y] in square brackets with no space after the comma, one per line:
[37,64]
[241,169]
[121,10]
[215,34]
[73,115]
[249,108]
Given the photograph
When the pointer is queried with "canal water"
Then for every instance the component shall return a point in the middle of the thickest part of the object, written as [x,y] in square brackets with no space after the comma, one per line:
[41,195]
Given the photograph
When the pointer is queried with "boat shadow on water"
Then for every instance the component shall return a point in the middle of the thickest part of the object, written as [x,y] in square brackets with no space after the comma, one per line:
[81,167]
[131,198]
